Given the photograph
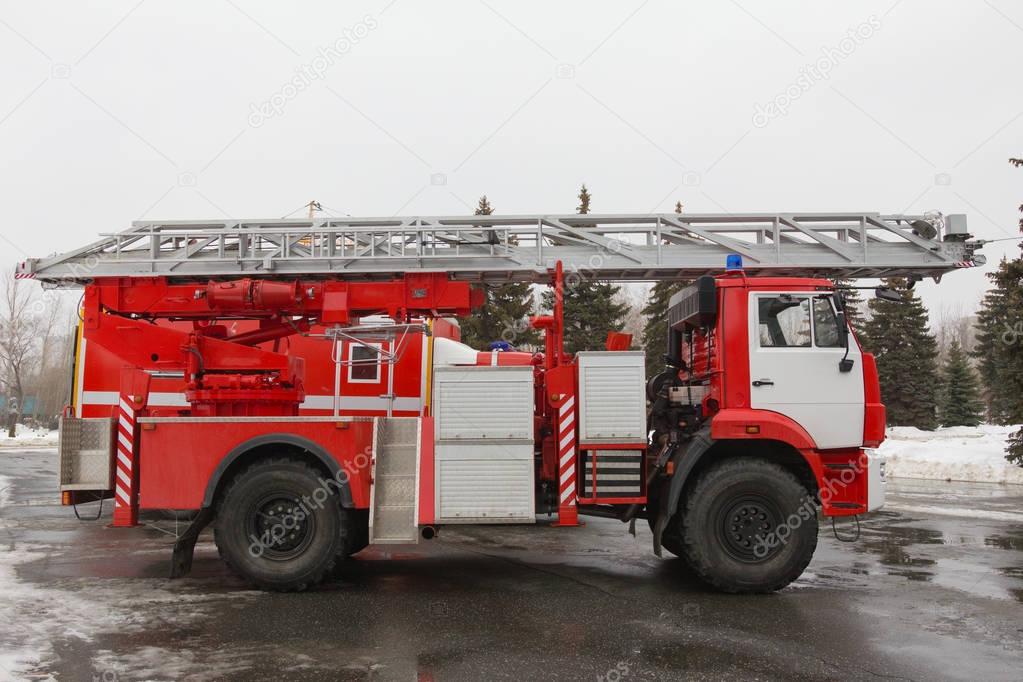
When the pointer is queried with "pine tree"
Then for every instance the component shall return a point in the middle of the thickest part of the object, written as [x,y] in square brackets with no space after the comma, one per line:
[960,395]
[504,315]
[853,304]
[906,358]
[999,340]
[591,308]
[1000,346]
[655,331]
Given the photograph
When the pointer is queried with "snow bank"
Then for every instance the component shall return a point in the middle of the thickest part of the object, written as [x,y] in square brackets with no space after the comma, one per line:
[25,435]
[958,453]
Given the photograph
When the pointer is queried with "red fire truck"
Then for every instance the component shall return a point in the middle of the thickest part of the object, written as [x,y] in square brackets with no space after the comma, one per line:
[297,384]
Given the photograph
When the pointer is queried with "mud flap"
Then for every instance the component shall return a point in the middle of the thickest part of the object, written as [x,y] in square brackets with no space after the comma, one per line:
[685,458]
[184,547]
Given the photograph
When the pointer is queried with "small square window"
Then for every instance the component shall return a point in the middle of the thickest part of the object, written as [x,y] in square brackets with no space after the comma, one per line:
[364,363]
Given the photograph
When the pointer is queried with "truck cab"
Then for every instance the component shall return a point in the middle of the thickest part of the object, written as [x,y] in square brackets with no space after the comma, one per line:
[767,411]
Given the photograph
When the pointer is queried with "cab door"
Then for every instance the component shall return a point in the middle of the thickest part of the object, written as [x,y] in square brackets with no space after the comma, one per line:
[795,350]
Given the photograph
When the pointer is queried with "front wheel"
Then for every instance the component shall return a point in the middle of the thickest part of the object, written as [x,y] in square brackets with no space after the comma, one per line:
[748,526]
[280,527]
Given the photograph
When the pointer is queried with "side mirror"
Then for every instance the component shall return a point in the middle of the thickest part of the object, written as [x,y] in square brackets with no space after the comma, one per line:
[887,294]
[843,328]
[845,364]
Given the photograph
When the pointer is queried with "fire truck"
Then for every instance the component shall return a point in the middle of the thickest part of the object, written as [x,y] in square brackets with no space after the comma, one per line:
[299,385]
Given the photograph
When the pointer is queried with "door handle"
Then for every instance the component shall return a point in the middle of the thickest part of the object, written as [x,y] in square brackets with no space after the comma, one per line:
[763,382]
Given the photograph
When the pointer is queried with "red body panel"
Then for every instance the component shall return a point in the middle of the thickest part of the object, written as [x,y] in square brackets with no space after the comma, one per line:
[180,457]
[874,413]
[732,423]
[96,384]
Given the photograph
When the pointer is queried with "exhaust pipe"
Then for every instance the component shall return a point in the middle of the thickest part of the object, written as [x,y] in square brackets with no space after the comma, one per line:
[428,532]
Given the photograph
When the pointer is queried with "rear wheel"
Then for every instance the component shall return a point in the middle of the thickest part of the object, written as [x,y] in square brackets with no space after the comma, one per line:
[280,527]
[748,525]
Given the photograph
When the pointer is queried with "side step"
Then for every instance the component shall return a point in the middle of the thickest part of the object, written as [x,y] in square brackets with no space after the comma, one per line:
[393,516]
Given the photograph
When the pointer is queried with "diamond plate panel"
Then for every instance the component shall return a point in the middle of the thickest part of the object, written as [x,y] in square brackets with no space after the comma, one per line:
[395,484]
[86,452]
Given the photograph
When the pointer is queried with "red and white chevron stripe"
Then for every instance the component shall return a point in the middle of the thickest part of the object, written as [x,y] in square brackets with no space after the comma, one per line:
[566,451]
[567,491]
[125,494]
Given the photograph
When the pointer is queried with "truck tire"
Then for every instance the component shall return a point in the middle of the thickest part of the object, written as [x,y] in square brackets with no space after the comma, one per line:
[748,526]
[279,527]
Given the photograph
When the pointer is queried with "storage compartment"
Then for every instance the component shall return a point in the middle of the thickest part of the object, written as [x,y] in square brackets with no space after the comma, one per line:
[473,403]
[86,453]
[484,444]
[612,397]
[485,482]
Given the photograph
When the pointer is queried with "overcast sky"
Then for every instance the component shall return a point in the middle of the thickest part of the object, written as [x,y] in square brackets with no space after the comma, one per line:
[115,111]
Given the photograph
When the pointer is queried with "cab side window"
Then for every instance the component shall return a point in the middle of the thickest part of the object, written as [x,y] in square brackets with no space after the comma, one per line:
[784,321]
[825,324]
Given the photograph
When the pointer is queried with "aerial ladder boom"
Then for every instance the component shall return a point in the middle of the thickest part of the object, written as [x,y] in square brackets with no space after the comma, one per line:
[522,248]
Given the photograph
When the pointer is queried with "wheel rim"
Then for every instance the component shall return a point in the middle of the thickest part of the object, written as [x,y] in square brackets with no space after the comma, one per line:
[747,528]
[281,526]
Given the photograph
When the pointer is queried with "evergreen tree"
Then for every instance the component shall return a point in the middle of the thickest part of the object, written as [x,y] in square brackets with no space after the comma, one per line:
[591,308]
[655,331]
[505,312]
[1000,346]
[853,304]
[906,358]
[999,349]
[960,395]
[1015,450]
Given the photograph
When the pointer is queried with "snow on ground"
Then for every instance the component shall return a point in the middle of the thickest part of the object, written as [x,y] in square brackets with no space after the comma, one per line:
[34,616]
[957,453]
[26,435]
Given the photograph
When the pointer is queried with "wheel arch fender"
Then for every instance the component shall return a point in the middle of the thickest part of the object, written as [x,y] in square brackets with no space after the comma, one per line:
[702,448]
[267,445]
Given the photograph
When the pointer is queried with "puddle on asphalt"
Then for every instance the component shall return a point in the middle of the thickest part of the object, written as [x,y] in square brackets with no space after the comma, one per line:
[1004,542]
[911,552]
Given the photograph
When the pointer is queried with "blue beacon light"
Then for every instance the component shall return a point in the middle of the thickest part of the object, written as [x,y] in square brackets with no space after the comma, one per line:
[733,262]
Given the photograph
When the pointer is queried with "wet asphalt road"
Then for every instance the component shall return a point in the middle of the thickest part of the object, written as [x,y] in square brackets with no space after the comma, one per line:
[933,590]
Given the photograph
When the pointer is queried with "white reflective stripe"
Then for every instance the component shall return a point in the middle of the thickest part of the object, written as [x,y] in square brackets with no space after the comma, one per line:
[566,459]
[567,421]
[126,407]
[493,358]
[123,459]
[567,440]
[124,477]
[126,425]
[567,474]
[568,404]
[569,491]
[156,398]
[124,440]
[122,497]
[312,402]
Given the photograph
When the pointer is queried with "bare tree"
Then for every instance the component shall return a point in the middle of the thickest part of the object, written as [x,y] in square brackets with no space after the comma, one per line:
[21,321]
[954,324]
